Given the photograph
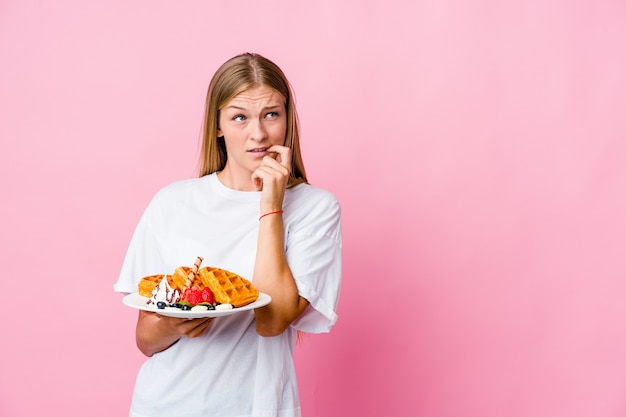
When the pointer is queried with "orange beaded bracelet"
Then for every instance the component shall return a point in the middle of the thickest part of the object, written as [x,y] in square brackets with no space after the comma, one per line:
[271,212]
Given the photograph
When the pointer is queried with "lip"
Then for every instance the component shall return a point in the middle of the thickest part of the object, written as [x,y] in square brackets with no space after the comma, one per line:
[258,151]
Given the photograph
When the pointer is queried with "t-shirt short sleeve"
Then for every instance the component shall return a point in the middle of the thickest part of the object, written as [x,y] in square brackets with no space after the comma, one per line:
[143,256]
[314,256]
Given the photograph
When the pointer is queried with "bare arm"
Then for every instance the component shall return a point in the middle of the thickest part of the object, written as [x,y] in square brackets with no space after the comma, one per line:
[273,276]
[271,271]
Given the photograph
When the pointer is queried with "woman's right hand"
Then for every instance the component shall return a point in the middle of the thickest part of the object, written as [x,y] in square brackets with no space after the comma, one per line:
[188,327]
[155,333]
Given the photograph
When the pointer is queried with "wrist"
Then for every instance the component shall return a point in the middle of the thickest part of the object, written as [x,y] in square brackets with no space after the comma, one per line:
[271,213]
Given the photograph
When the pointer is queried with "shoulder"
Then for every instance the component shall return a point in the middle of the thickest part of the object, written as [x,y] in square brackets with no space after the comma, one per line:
[311,197]
[174,197]
[307,207]
[179,190]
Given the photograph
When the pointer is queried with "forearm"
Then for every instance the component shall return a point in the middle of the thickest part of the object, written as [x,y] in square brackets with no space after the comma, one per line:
[272,276]
[153,335]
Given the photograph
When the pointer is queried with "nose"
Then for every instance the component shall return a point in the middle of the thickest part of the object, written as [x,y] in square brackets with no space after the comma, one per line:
[258,131]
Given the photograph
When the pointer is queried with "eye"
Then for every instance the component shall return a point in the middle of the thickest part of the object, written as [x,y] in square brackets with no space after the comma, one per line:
[239,118]
[272,115]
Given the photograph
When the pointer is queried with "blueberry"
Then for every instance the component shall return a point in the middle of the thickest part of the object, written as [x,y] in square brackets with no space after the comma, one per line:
[161,305]
[186,307]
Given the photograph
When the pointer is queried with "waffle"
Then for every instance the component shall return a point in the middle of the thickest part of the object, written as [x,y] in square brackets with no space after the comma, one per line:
[148,284]
[179,278]
[177,281]
[228,287]
[185,277]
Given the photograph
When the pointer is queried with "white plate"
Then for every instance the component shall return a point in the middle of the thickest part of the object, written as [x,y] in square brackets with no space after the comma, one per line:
[137,301]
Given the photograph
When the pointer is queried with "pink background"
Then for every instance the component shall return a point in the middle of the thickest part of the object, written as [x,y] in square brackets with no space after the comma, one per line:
[478,149]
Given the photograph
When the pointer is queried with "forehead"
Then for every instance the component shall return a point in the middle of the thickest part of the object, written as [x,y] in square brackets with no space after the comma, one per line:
[258,95]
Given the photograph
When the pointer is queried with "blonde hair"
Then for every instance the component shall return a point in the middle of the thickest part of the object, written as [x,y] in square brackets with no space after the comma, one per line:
[235,76]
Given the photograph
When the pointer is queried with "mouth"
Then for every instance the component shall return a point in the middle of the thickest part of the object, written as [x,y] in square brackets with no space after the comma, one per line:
[257,150]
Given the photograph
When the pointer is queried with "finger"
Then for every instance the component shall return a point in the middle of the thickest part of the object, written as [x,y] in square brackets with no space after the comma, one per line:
[269,170]
[274,167]
[199,327]
[284,155]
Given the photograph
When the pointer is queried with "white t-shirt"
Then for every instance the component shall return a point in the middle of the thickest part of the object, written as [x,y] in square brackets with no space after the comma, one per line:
[231,371]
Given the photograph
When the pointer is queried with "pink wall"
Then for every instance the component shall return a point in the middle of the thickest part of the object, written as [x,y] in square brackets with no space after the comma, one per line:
[478,149]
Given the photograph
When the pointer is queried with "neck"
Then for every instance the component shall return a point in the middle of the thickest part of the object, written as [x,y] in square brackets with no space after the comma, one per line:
[236,182]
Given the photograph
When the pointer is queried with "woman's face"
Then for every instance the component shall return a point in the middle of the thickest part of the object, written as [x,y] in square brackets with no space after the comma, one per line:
[250,123]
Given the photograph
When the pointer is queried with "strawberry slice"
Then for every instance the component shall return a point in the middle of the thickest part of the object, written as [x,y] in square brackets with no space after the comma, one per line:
[192,295]
[207,296]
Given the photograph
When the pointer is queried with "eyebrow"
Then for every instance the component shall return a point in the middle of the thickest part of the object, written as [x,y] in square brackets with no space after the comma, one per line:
[278,106]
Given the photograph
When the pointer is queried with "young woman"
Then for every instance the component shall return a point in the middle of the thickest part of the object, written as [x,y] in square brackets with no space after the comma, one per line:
[251,211]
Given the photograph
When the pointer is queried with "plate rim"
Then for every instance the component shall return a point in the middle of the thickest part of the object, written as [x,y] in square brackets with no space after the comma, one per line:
[131,300]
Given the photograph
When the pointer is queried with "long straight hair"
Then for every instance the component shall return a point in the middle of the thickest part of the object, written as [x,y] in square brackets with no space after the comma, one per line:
[235,76]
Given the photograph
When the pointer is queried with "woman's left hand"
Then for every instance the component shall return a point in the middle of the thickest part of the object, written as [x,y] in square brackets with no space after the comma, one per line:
[272,176]
[271,270]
